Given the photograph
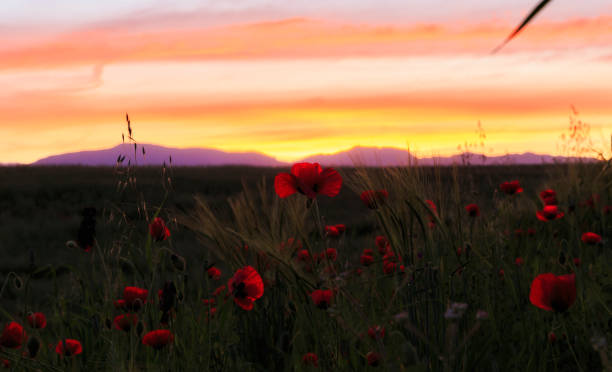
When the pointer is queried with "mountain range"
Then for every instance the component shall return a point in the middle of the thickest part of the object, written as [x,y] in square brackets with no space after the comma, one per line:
[366,156]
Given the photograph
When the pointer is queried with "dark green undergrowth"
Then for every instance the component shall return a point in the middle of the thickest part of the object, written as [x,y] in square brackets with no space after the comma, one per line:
[237,219]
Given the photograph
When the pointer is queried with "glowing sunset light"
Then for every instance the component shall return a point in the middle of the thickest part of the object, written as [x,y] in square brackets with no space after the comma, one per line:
[297,82]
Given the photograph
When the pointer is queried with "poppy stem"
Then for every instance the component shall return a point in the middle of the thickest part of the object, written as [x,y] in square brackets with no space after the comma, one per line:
[570,345]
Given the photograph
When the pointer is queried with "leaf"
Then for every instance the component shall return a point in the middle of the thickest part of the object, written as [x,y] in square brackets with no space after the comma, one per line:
[527,19]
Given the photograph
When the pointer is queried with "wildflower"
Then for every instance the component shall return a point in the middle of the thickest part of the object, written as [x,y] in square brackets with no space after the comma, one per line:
[124,322]
[135,297]
[552,337]
[332,231]
[549,197]
[389,267]
[303,255]
[158,338]
[531,231]
[322,298]
[501,274]
[519,261]
[13,335]
[373,358]
[553,293]
[208,301]
[376,332]
[577,261]
[366,260]
[340,227]
[591,238]
[68,347]
[549,213]
[6,363]
[310,359]
[331,254]
[473,210]
[158,230]
[511,188]
[246,286]
[607,209]
[214,273]
[37,320]
[308,179]
[374,198]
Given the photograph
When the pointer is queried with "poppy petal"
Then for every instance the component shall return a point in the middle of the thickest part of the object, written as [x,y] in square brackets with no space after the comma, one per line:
[246,303]
[541,290]
[285,184]
[330,183]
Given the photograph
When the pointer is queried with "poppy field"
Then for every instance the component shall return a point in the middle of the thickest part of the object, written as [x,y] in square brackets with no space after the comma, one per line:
[309,268]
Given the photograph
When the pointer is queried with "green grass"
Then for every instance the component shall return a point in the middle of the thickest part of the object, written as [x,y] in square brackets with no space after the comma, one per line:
[40,211]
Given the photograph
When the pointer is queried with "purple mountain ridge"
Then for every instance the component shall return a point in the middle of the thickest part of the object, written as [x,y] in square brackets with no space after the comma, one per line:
[157,155]
[389,157]
[360,156]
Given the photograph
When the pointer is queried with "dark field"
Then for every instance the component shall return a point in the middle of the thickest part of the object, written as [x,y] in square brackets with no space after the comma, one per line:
[434,259]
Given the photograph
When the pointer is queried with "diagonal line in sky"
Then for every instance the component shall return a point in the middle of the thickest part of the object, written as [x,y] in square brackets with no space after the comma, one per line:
[533,13]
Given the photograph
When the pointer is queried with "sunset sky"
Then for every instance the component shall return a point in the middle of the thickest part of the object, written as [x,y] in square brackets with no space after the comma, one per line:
[295,78]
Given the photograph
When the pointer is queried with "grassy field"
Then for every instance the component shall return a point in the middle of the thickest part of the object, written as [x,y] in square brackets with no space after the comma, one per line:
[413,288]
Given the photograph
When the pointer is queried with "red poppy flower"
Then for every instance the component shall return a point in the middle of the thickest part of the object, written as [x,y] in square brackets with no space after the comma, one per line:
[591,238]
[124,322]
[511,188]
[531,231]
[374,198]
[303,255]
[553,293]
[607,209]
[322,297]
[366,260]
[331,254]
[473,210]
[383,244]
[549,213]
[373,358]
[37,320]
[135,297]
[576,261]
[310,359]
[72,347]
[332,231]
[519,261]
[376,332]
[158,229]
[549,197]
[158,338]
[308,179]
[246,286]
[389,267]
[13,335]
[214,273]
[340,227]
[6,363]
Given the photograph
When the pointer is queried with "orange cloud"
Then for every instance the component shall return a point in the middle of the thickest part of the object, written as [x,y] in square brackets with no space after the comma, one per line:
[293,39]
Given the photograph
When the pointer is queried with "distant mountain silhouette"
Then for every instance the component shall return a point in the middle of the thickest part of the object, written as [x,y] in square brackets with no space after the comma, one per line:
[366,156]
[157,155]
[385,157]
